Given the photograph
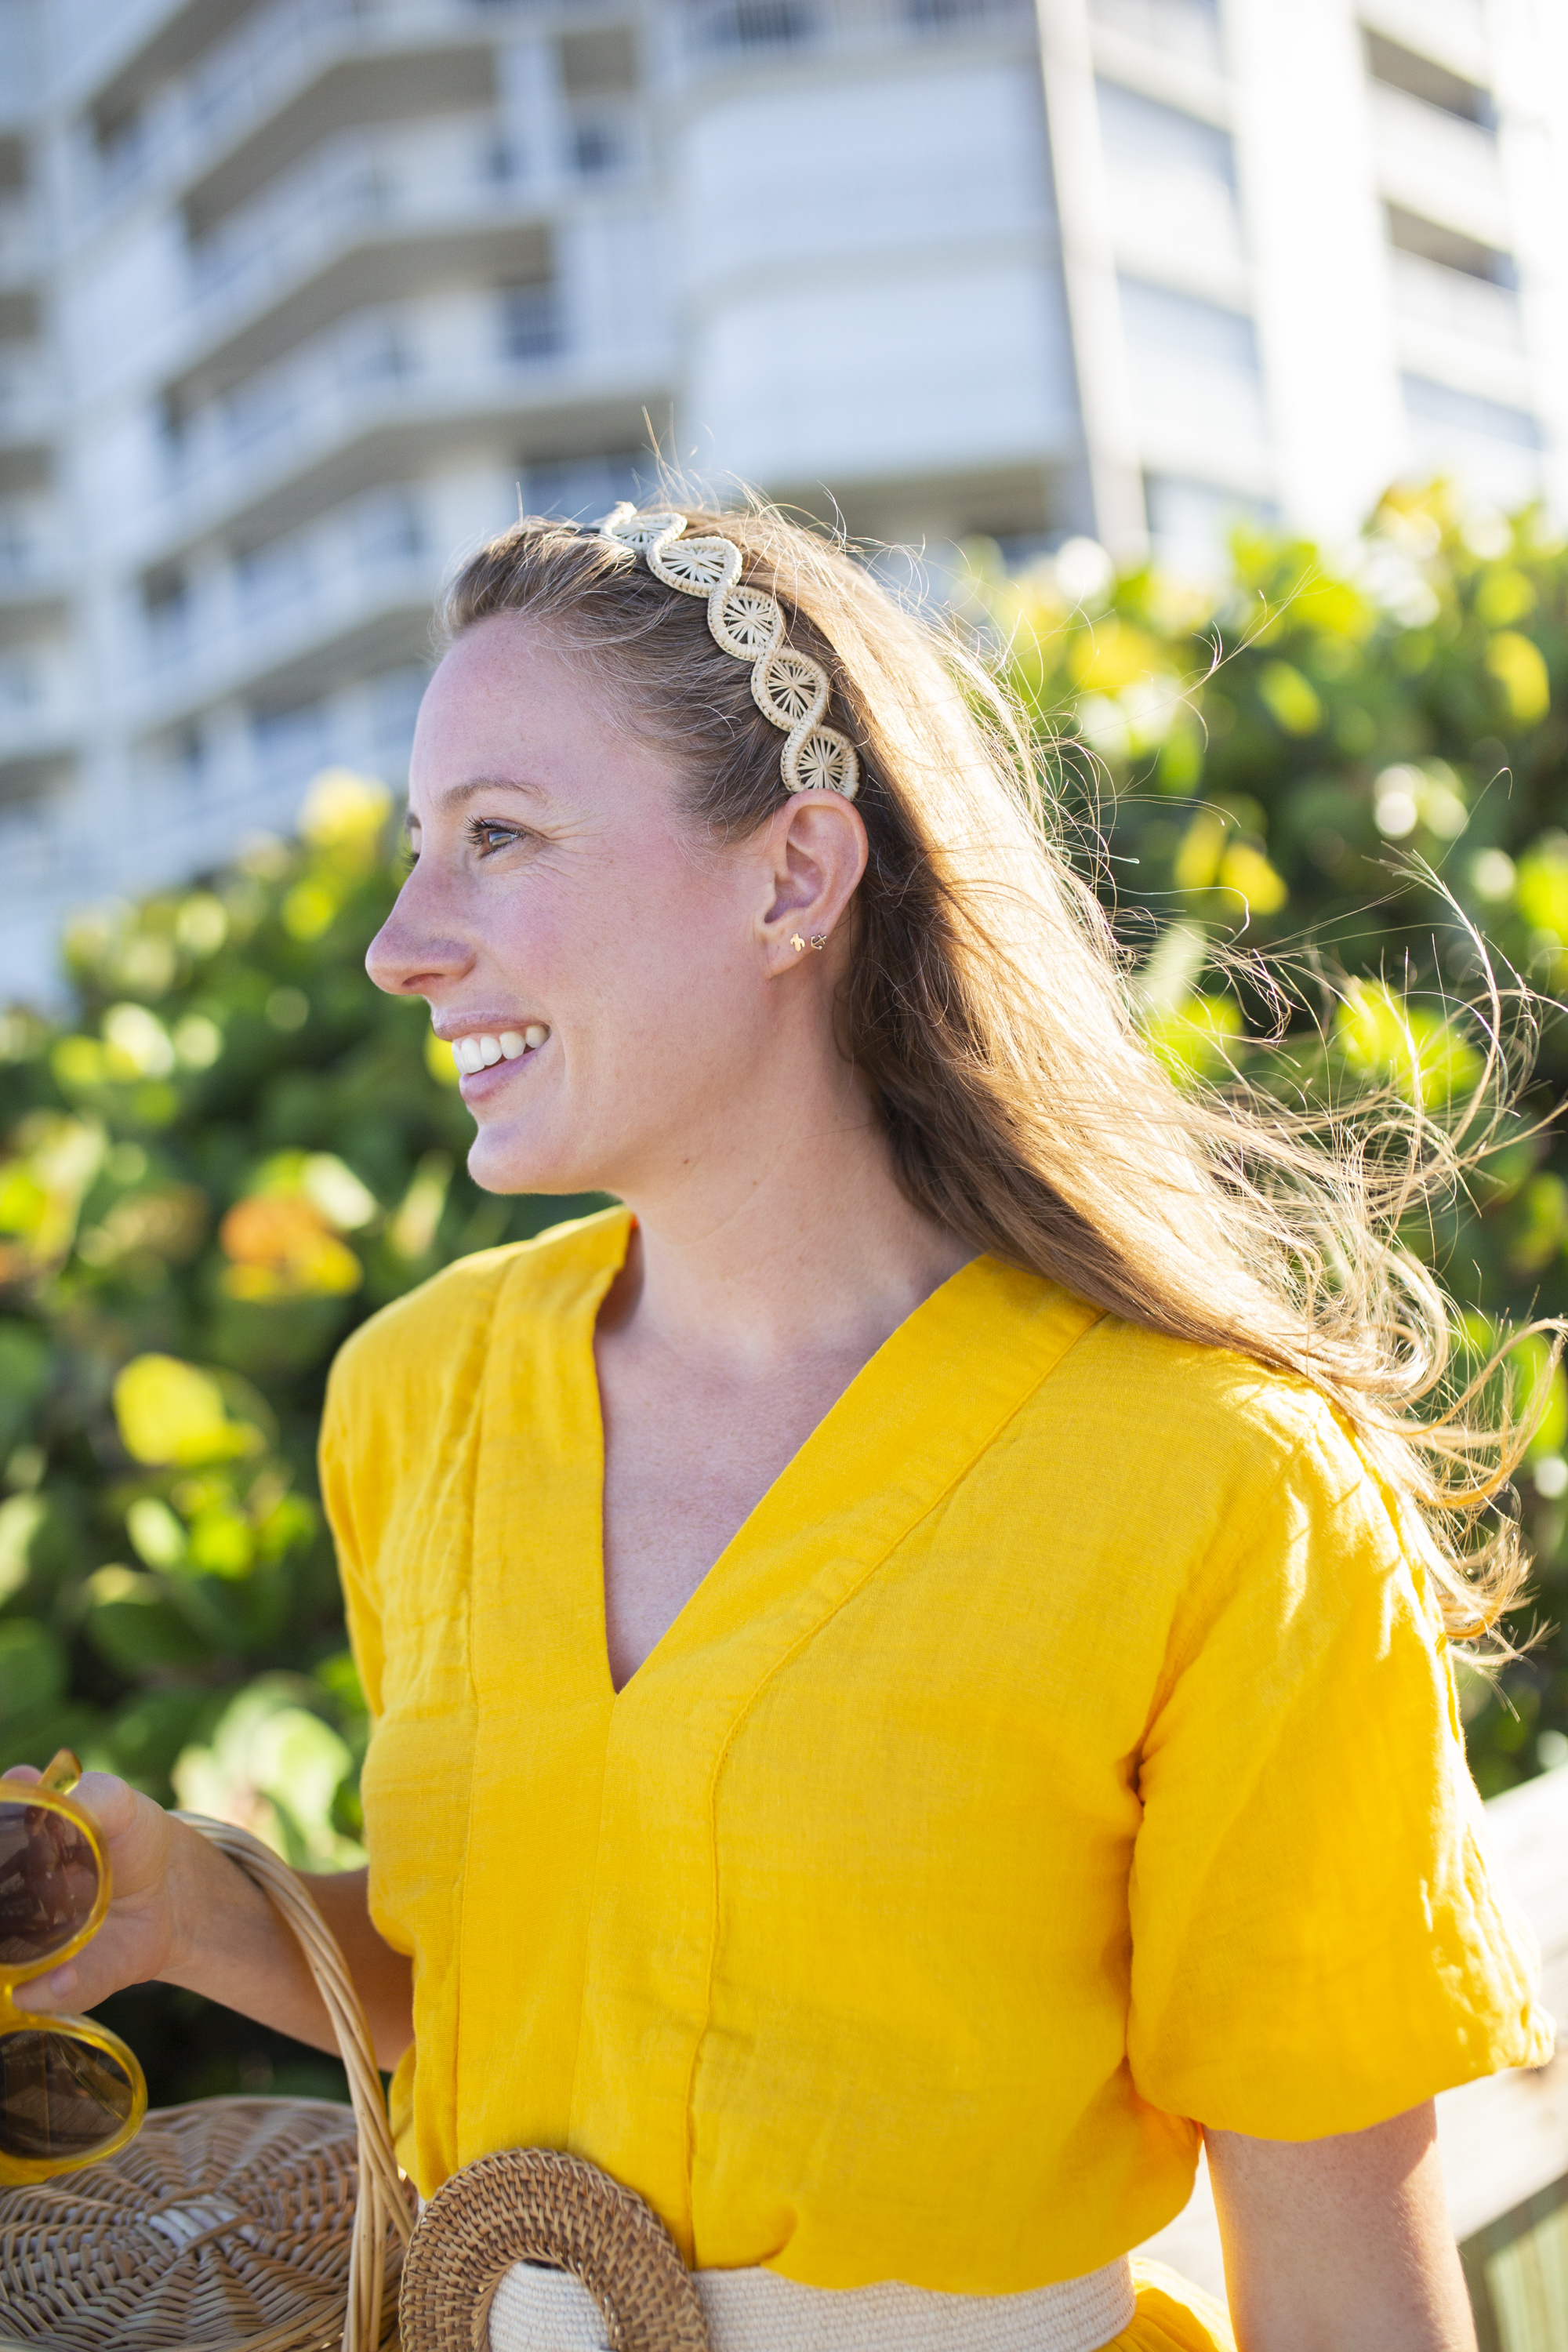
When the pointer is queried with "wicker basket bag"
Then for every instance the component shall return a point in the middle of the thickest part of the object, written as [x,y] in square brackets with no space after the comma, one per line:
[229,2225]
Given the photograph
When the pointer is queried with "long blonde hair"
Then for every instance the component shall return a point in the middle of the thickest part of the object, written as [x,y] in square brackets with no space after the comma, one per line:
[991,1011]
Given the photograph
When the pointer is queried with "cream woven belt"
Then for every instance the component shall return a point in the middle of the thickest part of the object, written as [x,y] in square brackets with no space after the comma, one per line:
[756,2311]
[530,2250]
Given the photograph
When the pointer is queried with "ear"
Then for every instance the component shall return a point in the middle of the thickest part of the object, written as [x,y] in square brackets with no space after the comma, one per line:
[814,853]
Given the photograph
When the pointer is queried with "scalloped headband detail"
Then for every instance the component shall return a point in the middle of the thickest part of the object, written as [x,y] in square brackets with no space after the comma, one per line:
[790,689]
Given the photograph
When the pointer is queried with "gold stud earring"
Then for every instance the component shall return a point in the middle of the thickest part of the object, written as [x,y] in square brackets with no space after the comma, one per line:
[819,939]
[797,943]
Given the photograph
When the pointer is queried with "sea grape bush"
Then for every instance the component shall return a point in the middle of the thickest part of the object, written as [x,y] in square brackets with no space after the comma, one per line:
[232,1149]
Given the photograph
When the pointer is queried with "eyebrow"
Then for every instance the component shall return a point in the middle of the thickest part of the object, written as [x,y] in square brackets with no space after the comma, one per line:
[456,794]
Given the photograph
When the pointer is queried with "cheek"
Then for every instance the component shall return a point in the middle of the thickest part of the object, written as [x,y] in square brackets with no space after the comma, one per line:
[662,936]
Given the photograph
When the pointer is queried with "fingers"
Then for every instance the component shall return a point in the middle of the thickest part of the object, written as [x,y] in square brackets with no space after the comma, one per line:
[48,1994]
[29,1772]
[109,1802]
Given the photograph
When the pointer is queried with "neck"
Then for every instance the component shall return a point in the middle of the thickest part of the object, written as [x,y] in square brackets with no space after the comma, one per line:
[788,1239]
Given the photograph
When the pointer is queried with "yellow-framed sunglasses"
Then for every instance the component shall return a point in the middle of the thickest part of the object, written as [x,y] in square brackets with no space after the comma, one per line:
[70,2092]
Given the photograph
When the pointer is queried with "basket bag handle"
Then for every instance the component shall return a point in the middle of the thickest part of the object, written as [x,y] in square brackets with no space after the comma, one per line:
[382,2200]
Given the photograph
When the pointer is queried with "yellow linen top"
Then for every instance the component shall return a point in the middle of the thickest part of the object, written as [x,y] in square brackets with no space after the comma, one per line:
[1062,1750]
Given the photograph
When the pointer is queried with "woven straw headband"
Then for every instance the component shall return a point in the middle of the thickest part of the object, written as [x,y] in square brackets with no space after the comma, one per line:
[789,689]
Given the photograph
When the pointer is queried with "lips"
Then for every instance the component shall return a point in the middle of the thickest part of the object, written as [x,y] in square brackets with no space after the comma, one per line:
[483,1050]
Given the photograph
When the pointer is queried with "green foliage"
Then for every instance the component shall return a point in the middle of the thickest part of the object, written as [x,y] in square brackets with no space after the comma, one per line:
[1272,761]
[234,1149]
[232,1152]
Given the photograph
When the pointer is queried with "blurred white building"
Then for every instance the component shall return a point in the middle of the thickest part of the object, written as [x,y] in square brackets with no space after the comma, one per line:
[298,298]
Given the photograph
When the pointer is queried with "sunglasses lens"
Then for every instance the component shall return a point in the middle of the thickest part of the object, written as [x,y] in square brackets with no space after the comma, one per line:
[58,2099]
[48,1884]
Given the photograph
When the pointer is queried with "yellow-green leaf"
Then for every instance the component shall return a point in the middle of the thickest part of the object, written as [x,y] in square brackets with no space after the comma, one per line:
[1520,670]
[1290,697]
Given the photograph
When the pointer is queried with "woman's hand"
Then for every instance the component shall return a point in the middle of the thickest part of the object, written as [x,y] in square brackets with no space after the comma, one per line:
[181,1911]
[1340,2244]
[140,1933]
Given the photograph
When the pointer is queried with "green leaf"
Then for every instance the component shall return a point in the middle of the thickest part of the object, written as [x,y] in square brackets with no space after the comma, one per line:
[32,1667]
[135,1626]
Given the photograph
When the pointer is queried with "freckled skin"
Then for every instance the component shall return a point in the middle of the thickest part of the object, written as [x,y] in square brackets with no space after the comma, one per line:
[691,1068]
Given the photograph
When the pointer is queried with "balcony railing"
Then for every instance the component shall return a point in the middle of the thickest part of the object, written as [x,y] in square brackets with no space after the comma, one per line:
[31,558]
[39,706]
[1439,165]
[1186,29]
[368,368]
[306,591]
[1428,294]
[729,29]
[362,187]
[276,52]
[21,239]
[274,55]
[346,185]
[26,400]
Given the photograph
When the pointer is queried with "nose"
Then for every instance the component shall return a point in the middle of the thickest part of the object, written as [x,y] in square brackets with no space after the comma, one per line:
[414,953]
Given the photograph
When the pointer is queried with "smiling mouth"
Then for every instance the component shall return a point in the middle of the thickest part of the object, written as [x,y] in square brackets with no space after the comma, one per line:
[482,1051]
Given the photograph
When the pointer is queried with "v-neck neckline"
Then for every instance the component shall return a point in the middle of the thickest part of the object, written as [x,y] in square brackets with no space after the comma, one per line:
[956,1304]
[586,1338]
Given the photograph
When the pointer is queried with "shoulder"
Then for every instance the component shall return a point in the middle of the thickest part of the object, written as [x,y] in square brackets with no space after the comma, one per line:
[1202,1414]
[1180,1474]
[434,1340]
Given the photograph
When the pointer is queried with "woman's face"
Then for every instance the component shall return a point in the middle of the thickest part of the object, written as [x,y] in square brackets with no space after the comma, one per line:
[556,888]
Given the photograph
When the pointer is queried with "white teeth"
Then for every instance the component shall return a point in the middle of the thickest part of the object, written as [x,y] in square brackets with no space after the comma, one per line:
[481,1053]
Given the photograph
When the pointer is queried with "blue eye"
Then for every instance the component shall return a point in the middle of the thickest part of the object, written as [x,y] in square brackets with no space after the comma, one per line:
[488,836]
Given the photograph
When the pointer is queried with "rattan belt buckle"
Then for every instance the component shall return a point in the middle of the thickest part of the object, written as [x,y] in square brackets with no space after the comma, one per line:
[535,2205]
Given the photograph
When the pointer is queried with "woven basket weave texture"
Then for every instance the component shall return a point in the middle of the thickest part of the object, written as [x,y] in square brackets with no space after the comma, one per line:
[226,2222]
[230,2225]
[537,2205]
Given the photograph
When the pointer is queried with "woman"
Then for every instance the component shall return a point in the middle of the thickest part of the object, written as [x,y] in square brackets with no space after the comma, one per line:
[907,1660]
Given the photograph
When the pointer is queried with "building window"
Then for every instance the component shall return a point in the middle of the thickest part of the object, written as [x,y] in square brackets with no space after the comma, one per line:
[937,15]
[1191,522]
[1493,447]
[21,682]
[1440,404]
[167,605]
[502,162]
[395,699]
[188,759]
[388,528]
[18,544]
[582,489]
[1195,369]
[597,147]
[265,578]
[1172,177]
[289,744]
[530,326]
[755,25]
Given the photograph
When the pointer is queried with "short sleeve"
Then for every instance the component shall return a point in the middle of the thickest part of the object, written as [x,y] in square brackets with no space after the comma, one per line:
[1317,1944]
[342,1464]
